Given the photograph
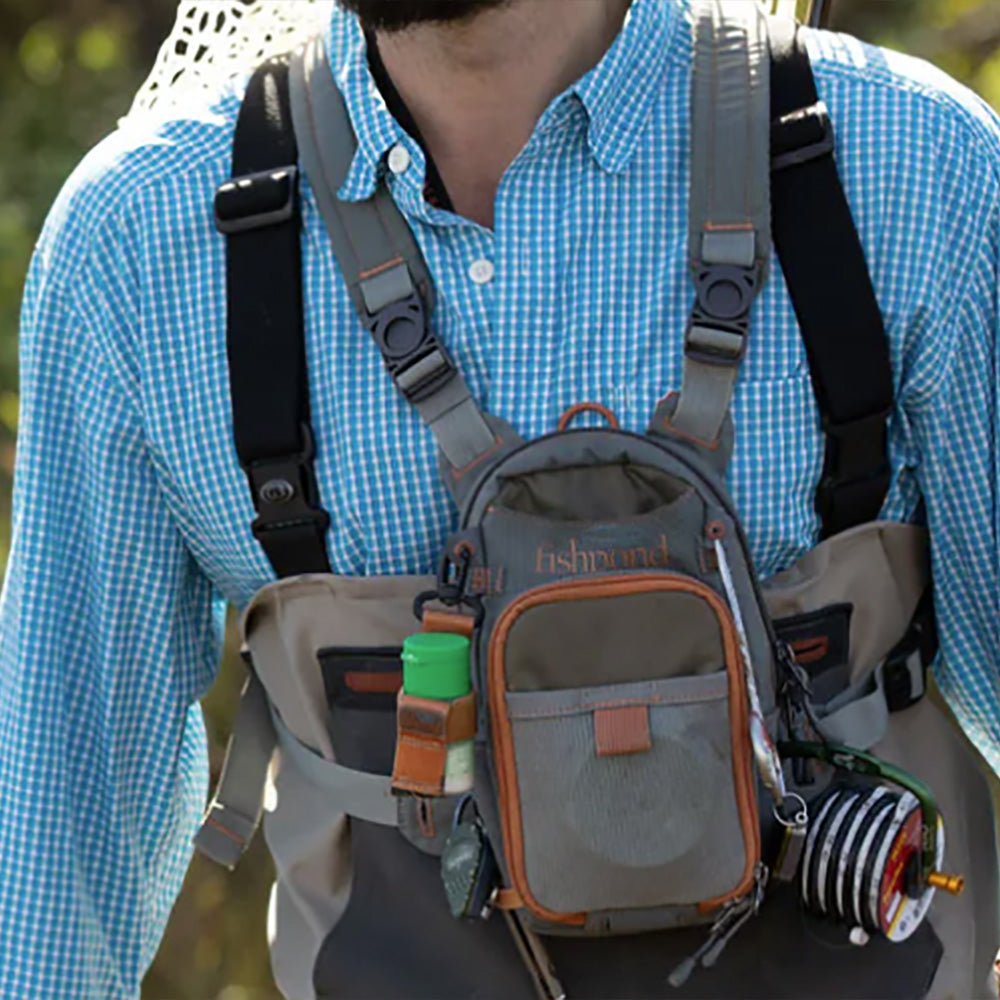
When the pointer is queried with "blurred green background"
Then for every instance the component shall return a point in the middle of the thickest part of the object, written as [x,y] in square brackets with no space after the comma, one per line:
[68,70]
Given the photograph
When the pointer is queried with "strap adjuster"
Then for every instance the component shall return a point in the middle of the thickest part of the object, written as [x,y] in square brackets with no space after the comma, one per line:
[856,472]
[714,345]
[256,201]
[801,136]
[284,491]
[416,360]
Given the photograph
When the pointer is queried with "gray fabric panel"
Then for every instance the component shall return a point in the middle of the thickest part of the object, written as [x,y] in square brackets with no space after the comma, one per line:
[237,803]
[612,640]
[706,391]
[728,248]
[578,701]
[595,839]
[461,432]
[730,131]
[364,796]
[592,492]
[859,717]
[389,286]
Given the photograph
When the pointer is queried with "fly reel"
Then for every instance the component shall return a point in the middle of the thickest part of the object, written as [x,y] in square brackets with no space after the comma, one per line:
[872,853]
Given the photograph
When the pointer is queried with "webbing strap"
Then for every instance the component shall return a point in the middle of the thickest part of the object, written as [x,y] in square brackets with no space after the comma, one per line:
[831,291]
[356,793]
[382,265]
[729,223]
[234,813]
[258,211]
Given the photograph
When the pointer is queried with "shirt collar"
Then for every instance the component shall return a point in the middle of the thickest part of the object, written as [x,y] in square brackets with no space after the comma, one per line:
[617,93]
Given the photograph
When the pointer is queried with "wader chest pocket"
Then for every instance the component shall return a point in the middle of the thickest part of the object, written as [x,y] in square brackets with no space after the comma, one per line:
[619,720]
[361,686]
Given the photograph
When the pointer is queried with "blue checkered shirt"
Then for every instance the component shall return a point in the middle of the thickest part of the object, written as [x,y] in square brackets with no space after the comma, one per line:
[132,515]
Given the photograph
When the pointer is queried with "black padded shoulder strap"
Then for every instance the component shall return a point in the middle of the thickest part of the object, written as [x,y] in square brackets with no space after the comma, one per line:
[258,211]
[831,290]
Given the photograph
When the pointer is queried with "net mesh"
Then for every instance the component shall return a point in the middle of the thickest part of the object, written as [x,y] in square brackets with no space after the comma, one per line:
[214,41]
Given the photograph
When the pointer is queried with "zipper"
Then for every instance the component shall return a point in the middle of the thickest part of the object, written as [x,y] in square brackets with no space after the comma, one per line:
[510,813]
[733,917]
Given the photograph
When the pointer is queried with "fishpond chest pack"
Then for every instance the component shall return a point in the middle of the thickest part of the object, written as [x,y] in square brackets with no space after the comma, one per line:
[595,755]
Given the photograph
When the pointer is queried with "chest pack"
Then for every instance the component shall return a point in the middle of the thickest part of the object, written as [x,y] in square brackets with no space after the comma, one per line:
[676,777]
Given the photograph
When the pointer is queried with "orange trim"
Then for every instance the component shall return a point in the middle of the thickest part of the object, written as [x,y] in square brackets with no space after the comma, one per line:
[574,411]
[216,825]
[448,621]
[810,650]
[671,429]
[382,267]
[457,474]
[508,794]
[365,683]
[723,227]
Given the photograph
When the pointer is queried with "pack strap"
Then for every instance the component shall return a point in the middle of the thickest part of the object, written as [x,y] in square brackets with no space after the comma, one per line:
[383,267]
[729,237]
[831,291]
[234,813]
[258,212]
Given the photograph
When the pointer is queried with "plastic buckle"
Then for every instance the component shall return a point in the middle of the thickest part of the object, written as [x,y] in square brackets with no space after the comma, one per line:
[856,471]
[801,136]
[416,360]
[256,201]
[285,492]
[714,345]
[904,674]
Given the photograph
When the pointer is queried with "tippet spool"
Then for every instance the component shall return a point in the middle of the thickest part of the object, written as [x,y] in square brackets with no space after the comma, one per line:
[860,865]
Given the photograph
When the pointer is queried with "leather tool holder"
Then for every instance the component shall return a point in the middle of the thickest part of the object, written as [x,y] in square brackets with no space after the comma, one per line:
[426,728]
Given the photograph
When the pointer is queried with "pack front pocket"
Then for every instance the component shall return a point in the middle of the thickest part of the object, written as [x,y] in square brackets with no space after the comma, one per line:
[636,790]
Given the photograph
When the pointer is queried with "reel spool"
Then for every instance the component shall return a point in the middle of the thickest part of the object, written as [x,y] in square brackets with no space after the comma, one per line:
[872,853]
[860,865]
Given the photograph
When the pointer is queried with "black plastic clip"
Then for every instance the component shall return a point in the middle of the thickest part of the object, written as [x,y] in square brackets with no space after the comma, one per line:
[256,201]
[417,362]
[285,492]
[801,136]
[452,587]
[720,320]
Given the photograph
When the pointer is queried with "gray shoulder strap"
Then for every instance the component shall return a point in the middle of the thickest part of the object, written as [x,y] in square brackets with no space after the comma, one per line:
[234,812]
[729,233]
[381,262]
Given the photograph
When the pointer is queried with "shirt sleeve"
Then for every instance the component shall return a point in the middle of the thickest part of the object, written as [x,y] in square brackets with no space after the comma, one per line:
[109,633]
[956,429]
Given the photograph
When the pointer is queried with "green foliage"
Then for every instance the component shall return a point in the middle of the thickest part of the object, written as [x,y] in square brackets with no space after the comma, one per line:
[68,69]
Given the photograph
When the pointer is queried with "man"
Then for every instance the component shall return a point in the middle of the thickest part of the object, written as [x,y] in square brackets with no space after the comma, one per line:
[539,150]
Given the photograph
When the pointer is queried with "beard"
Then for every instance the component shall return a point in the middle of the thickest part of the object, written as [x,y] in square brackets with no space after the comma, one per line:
[395,15]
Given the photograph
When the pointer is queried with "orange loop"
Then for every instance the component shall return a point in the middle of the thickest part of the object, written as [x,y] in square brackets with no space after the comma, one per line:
[574,411]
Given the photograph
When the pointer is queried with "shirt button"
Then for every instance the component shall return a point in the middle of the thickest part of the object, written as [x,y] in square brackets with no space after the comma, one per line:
[482,271]
[399,159]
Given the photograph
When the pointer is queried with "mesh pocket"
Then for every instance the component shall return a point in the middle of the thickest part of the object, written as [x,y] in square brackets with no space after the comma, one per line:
[645,827]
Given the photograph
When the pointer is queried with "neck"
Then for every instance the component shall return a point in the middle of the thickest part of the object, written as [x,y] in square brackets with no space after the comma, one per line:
[477,88]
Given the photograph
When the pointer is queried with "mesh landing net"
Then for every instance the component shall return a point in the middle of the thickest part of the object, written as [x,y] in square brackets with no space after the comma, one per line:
[214,41]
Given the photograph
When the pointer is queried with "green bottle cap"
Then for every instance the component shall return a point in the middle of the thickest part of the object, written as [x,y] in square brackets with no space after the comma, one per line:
[436,665]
